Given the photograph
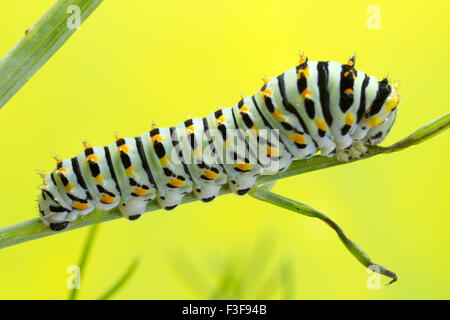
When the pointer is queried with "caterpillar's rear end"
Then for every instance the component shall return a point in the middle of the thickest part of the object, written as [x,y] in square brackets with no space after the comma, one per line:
[323,107]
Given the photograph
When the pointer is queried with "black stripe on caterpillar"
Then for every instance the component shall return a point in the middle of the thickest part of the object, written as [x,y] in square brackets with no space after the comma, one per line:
[324,107]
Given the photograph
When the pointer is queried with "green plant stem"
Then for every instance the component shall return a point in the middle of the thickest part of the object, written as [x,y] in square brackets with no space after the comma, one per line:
[303,209]
[38,44]
[35,228]
[84,256]
[122,280]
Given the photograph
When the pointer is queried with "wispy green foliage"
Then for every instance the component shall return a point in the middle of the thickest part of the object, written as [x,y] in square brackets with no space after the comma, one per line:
[85,254]
[122,280]
[240,275]
[40,42]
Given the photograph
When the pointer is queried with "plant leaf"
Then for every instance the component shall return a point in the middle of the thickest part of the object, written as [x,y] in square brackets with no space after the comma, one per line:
[303,209]
[39,43]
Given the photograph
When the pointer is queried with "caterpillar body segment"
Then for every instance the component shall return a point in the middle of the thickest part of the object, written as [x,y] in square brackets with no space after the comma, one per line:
[240,171]
[172,179]
[134,179]
[317,106]
[286,112]
[272,155]
[207,174]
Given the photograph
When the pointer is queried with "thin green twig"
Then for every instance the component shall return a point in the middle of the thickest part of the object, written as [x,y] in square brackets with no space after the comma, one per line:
[122,280]
[39,43]
[303,209]
[34,228]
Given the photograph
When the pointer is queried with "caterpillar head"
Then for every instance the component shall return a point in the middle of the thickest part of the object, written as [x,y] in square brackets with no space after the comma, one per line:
[377,134]
[391,102]
[381,114]
[53,209]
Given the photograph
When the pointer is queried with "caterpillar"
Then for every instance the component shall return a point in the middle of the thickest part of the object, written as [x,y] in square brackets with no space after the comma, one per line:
[316,106]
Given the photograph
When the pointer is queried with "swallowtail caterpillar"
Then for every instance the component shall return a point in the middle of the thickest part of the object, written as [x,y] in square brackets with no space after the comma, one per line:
[317,106]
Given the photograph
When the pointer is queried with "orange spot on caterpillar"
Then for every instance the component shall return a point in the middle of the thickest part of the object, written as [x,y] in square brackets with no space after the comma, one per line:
[98,179]
[266,92]
[210,174]
[321,124]
[244,108]
[348,91]
[243,166]
[176,182]
[278,114]
[157,137]
[272,152]
[80,206]
[58,172]
[93,157]
[374,121]
[349,119]
[140,191]
[220,120]
[307,94]
[129,171]
[164,161]
[298,138]
[107,198]
[123,148]
[347,73]
[68,187]
[190,129]
[305,72]
[391,104]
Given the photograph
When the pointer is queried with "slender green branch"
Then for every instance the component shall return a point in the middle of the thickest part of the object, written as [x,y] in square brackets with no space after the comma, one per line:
[84,256]
[422,134]
[122,280]
[301,208]
[34,229]
[40,42]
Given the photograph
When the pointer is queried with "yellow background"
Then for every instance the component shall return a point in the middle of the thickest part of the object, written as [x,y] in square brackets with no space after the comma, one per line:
[137,61]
